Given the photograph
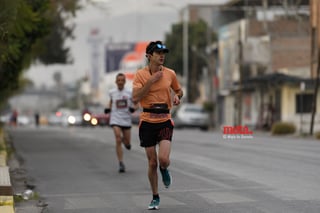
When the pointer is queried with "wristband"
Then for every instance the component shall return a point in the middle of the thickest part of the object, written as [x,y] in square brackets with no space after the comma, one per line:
[131,109]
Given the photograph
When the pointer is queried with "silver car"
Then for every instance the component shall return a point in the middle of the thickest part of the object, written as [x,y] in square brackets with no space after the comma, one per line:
[191,115]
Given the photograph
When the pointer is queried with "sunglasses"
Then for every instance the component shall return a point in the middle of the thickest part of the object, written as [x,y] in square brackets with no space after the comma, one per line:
[158,47]
[161,46]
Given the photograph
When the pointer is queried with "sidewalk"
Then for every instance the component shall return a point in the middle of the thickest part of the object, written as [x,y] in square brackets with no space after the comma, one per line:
[6,192]
[18,178]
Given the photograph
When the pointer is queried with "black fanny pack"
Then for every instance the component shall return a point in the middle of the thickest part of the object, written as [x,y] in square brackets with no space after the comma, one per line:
[157,108]
[157,111]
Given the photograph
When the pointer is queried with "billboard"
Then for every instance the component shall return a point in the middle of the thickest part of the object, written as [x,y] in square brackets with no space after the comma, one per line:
[229,37]
[125,56]
[114,54]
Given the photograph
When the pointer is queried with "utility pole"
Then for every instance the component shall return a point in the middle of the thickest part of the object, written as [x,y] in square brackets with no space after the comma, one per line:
[315,42]
[185,50]
[208,57]
[95,42]
[240,62]
[302,89]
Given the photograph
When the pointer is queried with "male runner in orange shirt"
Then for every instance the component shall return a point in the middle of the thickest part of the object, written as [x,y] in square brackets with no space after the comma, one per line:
[152,87]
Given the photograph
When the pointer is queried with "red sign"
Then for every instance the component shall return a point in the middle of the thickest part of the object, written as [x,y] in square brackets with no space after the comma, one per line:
[237,130]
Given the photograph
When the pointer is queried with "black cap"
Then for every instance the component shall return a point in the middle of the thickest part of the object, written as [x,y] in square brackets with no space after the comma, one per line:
[156,46]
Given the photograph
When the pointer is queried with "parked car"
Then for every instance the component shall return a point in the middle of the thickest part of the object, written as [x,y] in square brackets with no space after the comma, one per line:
[65,117]
[57,119]
[75,118]
[22,120]
[5,118]
[95,116]
[102,118]
[191,115]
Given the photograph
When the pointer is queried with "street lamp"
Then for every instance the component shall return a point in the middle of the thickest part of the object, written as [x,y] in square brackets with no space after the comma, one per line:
[185,39]
[184,19]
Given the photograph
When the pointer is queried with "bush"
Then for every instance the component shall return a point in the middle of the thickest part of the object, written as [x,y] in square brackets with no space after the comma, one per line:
[208,106]
[317,135]
[283,128]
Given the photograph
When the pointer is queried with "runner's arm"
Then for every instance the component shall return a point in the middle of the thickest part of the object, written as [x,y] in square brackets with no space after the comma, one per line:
[177,97]
[179,93]
[108,110]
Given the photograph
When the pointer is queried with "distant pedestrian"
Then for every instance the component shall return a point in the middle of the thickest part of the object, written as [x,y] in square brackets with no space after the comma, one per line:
[152,87]
[37,119]
[121,107]
[14,118]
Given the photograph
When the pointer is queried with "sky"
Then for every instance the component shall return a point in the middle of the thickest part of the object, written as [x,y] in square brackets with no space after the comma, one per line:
[116,20]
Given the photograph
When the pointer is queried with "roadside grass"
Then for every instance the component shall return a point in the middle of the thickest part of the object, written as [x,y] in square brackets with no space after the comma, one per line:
[4,145]
[19,197]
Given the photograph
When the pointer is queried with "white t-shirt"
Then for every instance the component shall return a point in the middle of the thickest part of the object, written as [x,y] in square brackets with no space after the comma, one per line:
[121,101]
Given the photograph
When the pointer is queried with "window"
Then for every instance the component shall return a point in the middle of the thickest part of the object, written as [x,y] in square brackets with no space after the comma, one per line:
[304,103]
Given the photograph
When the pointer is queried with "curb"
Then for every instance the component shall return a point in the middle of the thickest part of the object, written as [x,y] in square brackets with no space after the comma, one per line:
[6,191]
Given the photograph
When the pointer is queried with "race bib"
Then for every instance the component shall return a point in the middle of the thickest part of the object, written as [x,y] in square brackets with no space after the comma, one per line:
[121,103]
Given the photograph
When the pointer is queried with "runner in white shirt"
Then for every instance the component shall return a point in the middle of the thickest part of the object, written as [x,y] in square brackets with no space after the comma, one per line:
[121,107]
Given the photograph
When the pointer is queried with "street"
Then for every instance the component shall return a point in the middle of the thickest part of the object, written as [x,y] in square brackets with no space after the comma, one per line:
[75,170]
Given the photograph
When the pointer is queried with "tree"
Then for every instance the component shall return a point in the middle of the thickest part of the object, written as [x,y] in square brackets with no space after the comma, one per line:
[200,37]
[51,48]
[30,30]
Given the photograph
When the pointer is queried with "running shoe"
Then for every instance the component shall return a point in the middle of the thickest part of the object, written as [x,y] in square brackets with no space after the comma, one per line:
[166,177]
[128,146]
[121,168]
[154,205]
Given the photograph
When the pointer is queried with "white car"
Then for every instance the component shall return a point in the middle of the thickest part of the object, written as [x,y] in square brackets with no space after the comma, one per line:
[5,118]
[75,118]
[65,117]
[191,115]
[22,120]
[55,119]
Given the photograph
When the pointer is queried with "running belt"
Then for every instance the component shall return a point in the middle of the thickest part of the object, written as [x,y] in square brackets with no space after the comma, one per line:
[157,111]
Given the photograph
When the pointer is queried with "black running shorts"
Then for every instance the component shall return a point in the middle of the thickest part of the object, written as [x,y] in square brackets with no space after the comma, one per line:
[150,134]
[121,127]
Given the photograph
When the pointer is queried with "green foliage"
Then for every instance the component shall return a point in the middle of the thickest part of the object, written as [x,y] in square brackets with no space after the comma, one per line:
[199,37]
[208,106]
[20,28]
[283,128]
[31,30]
[19,197]
[174,41]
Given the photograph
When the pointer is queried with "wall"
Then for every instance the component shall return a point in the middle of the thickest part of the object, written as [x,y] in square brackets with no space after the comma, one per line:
[288,109]
[299,49]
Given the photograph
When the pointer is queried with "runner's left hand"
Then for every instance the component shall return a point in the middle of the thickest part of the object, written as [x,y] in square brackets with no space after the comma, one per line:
[176,100]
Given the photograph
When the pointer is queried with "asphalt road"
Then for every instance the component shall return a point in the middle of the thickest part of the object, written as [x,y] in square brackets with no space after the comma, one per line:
[75,170]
